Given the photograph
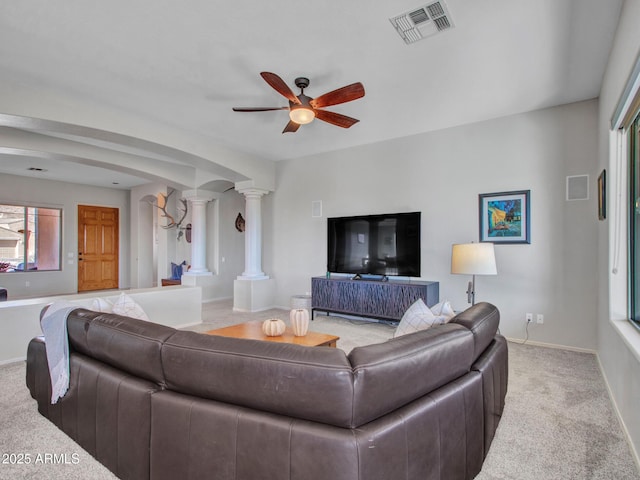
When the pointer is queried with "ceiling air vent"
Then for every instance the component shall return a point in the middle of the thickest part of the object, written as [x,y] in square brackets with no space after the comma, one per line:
[423,22]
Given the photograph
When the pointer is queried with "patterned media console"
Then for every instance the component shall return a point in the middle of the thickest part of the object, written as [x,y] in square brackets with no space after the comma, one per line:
[370,298]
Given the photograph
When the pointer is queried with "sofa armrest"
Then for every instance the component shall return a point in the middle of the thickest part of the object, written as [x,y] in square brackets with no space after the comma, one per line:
[483,320]
[494,370]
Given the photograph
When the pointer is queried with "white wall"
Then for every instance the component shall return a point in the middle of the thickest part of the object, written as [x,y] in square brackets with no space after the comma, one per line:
[619,362]
[23,190]
[231,243]
[441,174]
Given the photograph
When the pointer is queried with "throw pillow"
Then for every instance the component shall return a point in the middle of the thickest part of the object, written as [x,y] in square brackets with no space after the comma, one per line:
[444,309]
[417,317]
[176,270]
[125,305]
[101,305]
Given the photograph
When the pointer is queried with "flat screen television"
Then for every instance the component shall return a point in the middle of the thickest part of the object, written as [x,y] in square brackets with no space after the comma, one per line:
[386,245]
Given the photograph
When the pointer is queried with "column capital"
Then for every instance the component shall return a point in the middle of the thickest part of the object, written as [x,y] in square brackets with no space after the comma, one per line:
[253,192]
[251,187]
[199,195]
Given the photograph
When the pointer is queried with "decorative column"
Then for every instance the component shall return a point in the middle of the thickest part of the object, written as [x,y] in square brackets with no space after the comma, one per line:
[198,200]
[253,235]
[253,291]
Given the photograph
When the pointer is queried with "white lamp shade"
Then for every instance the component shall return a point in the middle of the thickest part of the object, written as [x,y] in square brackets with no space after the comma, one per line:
[473,259]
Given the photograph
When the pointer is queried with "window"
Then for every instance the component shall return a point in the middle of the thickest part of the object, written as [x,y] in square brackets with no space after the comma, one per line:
[625,127]
[29,238]
[634,221]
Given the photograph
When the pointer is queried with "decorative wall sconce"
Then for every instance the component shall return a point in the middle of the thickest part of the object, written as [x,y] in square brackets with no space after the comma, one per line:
[240,223]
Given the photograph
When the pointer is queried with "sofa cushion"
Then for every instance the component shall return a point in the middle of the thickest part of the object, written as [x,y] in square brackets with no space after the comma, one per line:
[444,309]
[394,373]
[102,305]
[482,319]
[127,306]
[126,343]
[418,317]
[311,383]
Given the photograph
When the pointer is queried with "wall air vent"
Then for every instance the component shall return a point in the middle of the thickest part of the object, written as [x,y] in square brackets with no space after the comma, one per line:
[423,22]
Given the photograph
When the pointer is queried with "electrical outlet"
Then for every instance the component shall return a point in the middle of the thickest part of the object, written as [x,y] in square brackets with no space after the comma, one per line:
[27,283]
[529,317]
[540,318]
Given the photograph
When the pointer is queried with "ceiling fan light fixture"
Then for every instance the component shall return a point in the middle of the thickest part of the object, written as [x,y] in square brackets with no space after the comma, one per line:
[303,109]
[301,114]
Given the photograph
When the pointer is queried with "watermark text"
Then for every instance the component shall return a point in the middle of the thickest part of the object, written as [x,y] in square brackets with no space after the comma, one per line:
[23,458]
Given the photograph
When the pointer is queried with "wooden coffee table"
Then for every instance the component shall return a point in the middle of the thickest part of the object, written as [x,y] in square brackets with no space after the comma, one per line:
[253,330]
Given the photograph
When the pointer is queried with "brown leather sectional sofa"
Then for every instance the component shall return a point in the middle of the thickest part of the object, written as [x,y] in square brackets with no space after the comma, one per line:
[149,401]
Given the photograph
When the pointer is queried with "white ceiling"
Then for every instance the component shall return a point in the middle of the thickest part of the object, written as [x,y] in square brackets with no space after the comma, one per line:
[184,65]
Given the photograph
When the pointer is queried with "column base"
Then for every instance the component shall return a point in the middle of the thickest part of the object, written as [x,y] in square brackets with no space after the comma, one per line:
[190,274]
[202,280]
[253,295]
[260,276]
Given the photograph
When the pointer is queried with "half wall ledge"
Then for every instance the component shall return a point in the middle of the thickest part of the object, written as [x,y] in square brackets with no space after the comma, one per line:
[178,307]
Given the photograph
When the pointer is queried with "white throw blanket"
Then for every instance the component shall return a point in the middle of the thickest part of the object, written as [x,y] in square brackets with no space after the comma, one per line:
[54,327]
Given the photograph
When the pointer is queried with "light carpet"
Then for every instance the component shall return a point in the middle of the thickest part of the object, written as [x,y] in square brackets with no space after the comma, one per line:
[558,421]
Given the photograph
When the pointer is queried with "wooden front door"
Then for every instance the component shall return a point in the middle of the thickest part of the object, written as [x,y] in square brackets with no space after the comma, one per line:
[98,235]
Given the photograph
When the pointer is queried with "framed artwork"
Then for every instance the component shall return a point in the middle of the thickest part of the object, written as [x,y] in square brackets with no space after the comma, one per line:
[504,217]
[602,195]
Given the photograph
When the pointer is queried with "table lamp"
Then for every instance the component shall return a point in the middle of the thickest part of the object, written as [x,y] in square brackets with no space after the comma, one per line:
[473,259]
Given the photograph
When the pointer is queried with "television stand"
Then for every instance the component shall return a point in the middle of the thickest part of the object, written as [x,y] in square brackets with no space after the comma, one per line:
[370,298]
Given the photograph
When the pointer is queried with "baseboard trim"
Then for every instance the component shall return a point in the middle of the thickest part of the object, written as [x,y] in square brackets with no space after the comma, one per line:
[627,436]
[186,325]
[13,360]
[258,310]
[217,299]
[522,341]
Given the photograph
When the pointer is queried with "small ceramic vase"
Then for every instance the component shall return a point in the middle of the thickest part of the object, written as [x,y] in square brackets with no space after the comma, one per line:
[273,327]
[299,321]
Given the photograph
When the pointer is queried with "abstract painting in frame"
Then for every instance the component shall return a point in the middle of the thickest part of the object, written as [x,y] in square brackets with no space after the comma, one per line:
[504,217]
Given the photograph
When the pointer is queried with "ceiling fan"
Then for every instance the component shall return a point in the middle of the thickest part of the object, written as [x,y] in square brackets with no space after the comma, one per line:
[303,109]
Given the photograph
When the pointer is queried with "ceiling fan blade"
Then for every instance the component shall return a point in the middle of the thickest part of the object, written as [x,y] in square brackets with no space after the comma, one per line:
[291,127]
[335,118]
[279,86]
[258,109]
[341,95]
